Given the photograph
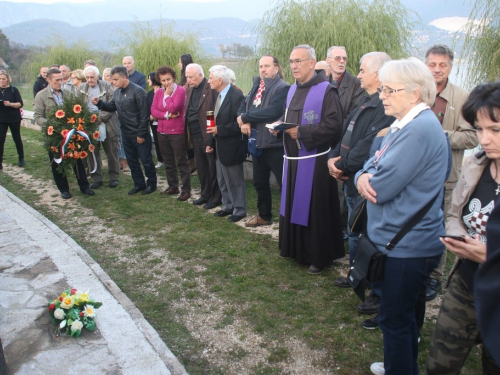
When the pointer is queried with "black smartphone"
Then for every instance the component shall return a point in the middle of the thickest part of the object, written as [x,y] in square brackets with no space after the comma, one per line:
[458,238]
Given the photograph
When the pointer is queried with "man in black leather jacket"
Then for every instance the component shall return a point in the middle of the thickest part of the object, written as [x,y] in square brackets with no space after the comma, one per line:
[129,100]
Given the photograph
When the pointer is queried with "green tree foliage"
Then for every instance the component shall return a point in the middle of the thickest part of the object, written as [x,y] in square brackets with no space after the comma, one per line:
[482,43]
[4,47]
[59,53]
[361,26]
[161,45]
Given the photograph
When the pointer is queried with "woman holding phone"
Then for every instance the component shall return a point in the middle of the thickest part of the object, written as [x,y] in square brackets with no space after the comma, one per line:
[473,200]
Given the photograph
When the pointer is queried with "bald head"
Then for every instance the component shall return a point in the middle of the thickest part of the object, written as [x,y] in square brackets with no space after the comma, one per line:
[194,74]
[128,62]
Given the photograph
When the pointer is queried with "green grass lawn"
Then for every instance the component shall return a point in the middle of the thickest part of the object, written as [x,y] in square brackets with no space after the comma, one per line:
[209,258]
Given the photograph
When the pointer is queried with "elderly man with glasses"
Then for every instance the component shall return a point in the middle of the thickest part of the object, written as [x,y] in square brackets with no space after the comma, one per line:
[94,88]
[310,229]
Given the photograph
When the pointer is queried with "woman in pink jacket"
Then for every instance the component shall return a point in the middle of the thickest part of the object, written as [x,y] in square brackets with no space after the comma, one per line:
[168,107]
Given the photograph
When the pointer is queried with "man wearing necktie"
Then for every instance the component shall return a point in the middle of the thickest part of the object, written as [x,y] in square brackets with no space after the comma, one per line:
[264,104]
[229,145]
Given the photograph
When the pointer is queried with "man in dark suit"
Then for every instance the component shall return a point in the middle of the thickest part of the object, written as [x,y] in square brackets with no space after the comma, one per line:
[229,145]
[200,100]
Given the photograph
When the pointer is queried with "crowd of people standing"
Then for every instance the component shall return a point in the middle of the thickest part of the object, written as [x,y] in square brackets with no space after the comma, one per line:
[394,136]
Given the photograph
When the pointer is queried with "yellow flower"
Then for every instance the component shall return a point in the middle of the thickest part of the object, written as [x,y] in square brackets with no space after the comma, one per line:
[67,302]
[83,297]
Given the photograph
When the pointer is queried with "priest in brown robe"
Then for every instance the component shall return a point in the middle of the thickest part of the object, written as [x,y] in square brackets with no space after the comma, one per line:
[310,226]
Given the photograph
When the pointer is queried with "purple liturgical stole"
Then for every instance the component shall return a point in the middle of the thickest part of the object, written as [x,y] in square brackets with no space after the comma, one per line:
[311,114]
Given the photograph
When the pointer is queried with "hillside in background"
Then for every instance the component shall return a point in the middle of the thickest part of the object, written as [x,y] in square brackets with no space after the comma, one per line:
[113,35]
[128,10]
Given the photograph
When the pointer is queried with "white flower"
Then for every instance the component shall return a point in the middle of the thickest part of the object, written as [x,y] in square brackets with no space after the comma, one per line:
[63,324]
[89,311]
[76,326]
[59,314]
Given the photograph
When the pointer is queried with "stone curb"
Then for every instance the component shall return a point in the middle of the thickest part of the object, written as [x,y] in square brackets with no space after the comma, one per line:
[172,363]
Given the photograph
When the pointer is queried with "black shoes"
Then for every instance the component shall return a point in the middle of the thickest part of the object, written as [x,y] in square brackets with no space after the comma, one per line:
[342,282]
[87,191]
[96,184]
[313,270]
[221,213]
[370,323]
[65,195]
[370,306]
[21,162]
[113,183]
[210,205]
[136,189]
[432,288]
[199,201]
[148,190]
[235,218]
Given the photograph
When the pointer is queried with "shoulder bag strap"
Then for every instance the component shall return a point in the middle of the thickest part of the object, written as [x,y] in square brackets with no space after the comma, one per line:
[409,225]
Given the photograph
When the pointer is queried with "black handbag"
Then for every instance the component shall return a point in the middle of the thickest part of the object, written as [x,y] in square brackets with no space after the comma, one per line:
[369,262]
[357,218]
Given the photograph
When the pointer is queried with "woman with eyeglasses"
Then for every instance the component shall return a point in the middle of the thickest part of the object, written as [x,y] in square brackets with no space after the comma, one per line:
[77,78]
[10,116]
[407,173]
[473,200]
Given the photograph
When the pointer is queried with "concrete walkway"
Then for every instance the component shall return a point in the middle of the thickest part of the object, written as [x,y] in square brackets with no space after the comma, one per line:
[37,262]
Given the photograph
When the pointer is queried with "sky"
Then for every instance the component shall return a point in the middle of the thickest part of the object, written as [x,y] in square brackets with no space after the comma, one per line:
[89,1]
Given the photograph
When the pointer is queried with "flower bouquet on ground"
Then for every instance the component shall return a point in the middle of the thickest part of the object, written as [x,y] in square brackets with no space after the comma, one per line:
[73,310]
[70,132]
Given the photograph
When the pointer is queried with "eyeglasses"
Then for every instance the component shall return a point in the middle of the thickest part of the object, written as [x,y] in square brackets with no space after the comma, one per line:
[298,62]
[339,58]
[388,92]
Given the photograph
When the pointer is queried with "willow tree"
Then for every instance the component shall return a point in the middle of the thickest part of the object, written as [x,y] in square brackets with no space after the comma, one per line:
[482,43]
[361,26]
[154,46]
[58,52]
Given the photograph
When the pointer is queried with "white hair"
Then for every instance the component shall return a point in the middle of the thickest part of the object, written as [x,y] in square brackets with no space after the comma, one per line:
[413,74]
[197,68]
[310,51]
[90,69]
[232,76]
[375,60]
[332,48]
[220,71]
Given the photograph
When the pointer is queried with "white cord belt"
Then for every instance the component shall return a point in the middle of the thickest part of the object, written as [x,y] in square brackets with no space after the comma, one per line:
[308,156]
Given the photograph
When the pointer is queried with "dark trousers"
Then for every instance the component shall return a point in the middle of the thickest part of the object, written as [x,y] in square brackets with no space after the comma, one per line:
[154,130]
[207,171]
[61,180]
[135,152]
[271,160]
[15,130]
[173,150]
[403,281]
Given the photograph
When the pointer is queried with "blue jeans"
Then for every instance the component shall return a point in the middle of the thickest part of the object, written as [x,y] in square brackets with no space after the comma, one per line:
[403,281]
[353,236]
[142,152]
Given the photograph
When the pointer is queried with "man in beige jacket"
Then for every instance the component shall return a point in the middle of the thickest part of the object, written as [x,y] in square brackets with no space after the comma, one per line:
[448,109]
